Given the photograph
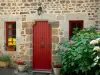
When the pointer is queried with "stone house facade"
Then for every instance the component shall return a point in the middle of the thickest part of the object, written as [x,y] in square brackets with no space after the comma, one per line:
[57,12]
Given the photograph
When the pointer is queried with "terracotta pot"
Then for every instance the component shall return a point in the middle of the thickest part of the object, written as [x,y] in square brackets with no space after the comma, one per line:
[56,71]
[21,68]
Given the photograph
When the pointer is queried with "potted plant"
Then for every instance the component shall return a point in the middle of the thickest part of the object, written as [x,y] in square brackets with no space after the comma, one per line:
[4,60]
[21,66]
[57,68]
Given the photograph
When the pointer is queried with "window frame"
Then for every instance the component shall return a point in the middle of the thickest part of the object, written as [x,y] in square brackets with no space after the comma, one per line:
[70,26]
[12,48]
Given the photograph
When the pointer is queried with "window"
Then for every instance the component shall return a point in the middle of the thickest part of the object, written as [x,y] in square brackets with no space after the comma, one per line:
[10,36]
[75,24]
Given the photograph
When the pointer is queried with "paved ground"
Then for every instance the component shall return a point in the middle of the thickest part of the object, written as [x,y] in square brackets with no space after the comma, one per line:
[6,71]
[12,71]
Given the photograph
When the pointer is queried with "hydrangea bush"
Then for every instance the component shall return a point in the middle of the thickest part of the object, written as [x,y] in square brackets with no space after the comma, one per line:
[77,53]
[96,51]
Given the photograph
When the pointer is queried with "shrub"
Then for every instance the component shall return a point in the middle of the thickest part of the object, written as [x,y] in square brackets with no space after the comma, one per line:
[78,56]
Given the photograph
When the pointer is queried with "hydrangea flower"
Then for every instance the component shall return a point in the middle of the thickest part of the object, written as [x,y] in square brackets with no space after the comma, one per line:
[93,42]
[97,48]
[71,42]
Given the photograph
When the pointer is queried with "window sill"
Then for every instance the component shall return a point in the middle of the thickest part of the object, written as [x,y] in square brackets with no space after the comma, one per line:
[11,49]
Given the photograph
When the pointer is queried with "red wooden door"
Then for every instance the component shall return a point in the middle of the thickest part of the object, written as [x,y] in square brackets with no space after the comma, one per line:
[42,46]
[75,24]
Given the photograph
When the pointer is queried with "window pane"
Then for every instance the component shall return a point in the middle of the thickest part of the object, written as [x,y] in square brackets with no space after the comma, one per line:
[10,32]
[79,25]
[14,26]
[10,26]
[10,36]
[14,32]
[73,25]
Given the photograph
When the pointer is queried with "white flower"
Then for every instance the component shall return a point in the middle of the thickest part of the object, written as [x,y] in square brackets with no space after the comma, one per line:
[97,48]
[98,39]
[94,64]
[97,57]
[93,42]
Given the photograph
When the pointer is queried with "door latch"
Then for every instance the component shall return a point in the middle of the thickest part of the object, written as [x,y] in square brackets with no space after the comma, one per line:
[42,44]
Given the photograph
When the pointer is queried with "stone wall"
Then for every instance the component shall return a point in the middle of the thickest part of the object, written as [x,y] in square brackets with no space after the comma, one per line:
[25,7]
[24,12]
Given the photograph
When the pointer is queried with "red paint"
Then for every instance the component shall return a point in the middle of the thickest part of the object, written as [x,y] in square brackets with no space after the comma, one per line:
[42,54]
[75,23]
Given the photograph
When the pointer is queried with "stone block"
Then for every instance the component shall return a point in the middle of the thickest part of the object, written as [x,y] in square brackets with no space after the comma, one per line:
[30,0]
[54,31]
[80,2]
[24,12]
[29,31]
[33,12]
[3,4]
[23,19]
[23,0]
[57,11]
[67,2]
[55,39]
[25,57]
[62,1]
[54,52]
[56,58]
[54,24]
[26,4]
[24,25]
[53,46]
[33,4]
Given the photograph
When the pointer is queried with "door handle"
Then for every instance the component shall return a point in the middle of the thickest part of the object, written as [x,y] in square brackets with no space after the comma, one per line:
[42,44]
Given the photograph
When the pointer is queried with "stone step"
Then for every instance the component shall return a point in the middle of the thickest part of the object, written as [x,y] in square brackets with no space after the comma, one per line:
[41,74]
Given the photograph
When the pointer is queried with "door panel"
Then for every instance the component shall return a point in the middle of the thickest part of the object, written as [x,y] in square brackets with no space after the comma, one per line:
[41,46]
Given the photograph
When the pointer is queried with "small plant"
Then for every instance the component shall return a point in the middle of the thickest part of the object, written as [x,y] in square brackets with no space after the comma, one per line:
[57,66]
[5,58]
[21,63]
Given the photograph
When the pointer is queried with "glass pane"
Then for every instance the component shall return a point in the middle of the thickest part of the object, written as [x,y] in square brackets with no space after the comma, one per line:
[10,32]
[14,32]
[10,36]
[14,26]
[79,25]
[10,26]
[10,43]
[73,25]
[14,43]
[10,39]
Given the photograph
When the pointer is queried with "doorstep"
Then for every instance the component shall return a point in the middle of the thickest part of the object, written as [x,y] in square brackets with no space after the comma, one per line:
[36,72]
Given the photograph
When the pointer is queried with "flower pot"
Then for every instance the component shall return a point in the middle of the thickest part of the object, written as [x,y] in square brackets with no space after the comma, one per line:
[21,68]
[56,71]
[3,64]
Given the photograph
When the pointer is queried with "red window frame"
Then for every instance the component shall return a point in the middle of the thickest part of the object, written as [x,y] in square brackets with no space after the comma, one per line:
[71,28]
[11,48]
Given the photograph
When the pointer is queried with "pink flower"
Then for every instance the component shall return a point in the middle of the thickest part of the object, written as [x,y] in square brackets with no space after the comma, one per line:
[71,42]
[65,49]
